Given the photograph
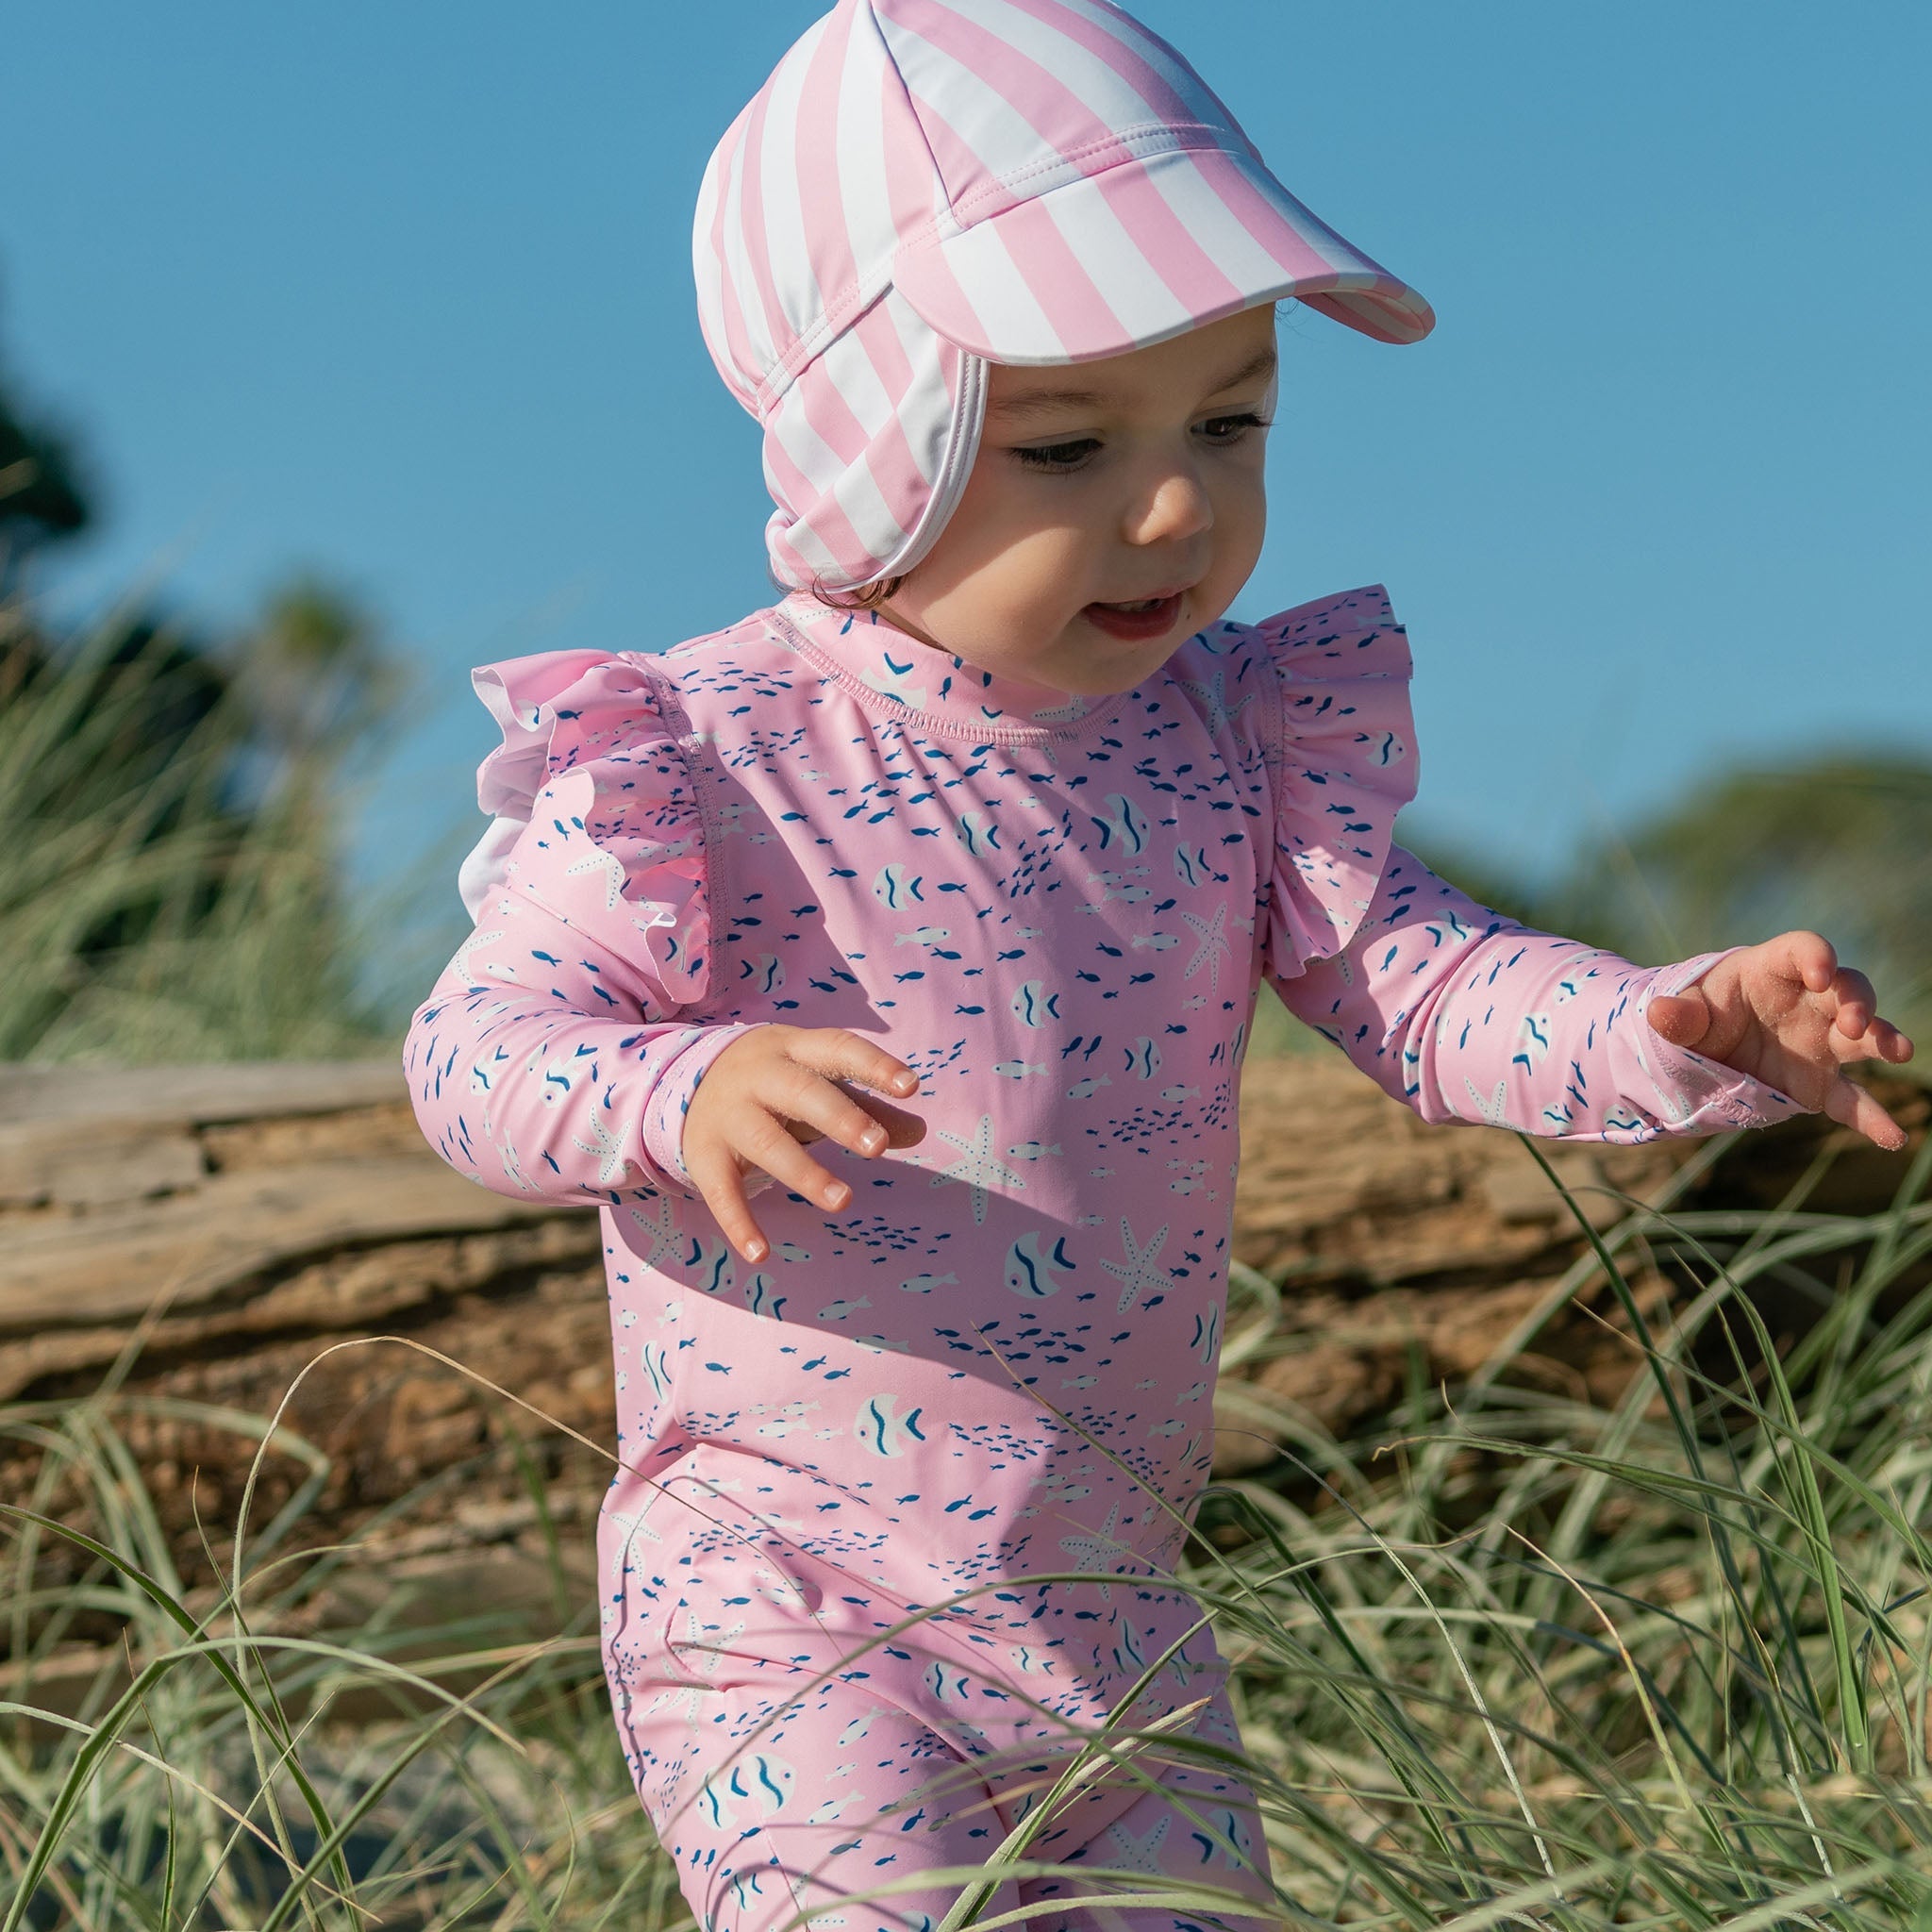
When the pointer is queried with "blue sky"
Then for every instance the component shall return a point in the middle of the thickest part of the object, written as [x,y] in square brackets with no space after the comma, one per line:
[402,293]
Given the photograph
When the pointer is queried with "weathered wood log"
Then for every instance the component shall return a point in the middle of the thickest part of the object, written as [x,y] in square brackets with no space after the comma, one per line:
[207,1238]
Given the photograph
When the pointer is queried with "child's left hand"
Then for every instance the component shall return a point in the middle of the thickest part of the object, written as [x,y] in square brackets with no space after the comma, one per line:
[1789,1014]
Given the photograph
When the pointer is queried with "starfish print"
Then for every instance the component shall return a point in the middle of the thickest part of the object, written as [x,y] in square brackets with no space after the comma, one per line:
[1214,697]
[1063,713]
[700,1659]
[658,1228]
[639,1526]
[1494,1109]
[1133,1853]
[610,866]
[1140,1273]
[978,1166]
[613,1163]
[462,961]
[1101,1547]
[1212,934]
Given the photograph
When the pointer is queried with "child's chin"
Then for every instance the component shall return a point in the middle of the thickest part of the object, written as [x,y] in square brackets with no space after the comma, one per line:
[1133,668]
[1100,666]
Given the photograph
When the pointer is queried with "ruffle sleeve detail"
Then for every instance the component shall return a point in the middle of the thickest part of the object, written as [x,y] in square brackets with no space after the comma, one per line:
[1342,764]
[595,818]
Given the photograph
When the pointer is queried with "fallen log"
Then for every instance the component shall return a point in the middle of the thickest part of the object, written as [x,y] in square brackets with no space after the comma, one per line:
[204,1241]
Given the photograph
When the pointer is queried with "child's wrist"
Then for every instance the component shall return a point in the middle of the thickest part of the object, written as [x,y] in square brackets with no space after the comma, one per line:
[679,1076]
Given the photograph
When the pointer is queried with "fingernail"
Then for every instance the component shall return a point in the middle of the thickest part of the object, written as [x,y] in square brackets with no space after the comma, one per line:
[753,1251]
[873,1140]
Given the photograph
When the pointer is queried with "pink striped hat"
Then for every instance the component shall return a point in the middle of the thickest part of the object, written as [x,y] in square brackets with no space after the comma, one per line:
[926,186]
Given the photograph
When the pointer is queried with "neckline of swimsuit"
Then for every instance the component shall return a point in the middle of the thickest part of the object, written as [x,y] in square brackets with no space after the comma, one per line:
[880,663]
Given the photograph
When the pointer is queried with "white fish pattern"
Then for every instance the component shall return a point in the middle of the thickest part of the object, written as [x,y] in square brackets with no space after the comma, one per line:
[1032,1275]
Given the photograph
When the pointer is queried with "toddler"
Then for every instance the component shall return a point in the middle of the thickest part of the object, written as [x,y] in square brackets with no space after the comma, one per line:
[881,968]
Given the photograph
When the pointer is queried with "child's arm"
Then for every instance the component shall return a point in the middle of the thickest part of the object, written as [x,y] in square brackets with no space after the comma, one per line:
[1463,1014]
[563,1046]
[546,1063]
[575,1086]
[560,1046]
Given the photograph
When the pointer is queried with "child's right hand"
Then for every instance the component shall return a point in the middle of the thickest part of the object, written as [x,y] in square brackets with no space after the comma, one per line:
[775,1089]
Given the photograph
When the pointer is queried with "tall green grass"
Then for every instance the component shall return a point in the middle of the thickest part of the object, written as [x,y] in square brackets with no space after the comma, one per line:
[166,894]
[1518,1661]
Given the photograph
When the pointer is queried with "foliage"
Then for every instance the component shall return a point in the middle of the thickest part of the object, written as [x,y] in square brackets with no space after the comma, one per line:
[1665,1665]
[1840,842]
[169,889]
[41,497]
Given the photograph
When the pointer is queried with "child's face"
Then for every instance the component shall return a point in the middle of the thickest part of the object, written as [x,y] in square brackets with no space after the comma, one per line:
[1099,487]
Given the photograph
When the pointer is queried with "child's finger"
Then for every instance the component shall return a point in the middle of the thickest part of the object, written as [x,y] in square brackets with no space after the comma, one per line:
[1857,1003]
[721,1181]
[1682,1018]
[842,1054]
[902,1129]
[1879,1041]
[1847,1102]
[820,1103]
[1812,958]
[763,1141]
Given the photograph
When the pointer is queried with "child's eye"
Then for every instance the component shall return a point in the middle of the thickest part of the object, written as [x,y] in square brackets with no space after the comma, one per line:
[1224,430]
[1060,455]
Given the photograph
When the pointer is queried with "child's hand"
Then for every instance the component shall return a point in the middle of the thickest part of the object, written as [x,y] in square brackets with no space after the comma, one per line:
[1789,1014]
[775,1089]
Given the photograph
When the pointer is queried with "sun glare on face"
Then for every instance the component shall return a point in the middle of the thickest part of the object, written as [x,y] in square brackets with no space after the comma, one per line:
[1115,508]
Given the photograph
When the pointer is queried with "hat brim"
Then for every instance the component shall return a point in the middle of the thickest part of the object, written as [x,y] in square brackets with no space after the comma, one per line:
[1140,252]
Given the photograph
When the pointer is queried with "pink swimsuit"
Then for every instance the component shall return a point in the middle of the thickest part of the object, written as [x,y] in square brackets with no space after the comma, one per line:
[832,1659]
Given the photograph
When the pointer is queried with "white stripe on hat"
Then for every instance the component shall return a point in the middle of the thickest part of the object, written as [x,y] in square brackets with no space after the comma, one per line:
[865,203]
[978,117]
[1116,263]
[708,269]
[1000,292]
[1082,72]
[921,347]
[858,494]
[1201,209]
[1203,103]
[859,385]
[788,258]
[740,272]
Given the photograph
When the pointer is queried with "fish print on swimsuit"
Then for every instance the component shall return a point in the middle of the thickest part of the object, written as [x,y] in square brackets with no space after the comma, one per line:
[995,1366]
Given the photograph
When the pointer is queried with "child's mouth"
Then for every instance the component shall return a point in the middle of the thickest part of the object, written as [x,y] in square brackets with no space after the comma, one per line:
[1136,623]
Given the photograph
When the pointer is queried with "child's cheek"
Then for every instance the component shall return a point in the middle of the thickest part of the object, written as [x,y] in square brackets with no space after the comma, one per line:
[1240,525]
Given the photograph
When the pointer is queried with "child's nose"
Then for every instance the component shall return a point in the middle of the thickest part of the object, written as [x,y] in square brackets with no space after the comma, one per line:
[1178,508]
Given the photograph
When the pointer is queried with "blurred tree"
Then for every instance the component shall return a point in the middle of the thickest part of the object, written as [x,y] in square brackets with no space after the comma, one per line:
[1840,842]
[312,670]
[41,498]
[170,887]
[172,890]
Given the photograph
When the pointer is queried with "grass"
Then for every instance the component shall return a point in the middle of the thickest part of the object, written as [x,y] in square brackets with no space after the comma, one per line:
[1514,1661]
[1519,1661]
[167,894]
